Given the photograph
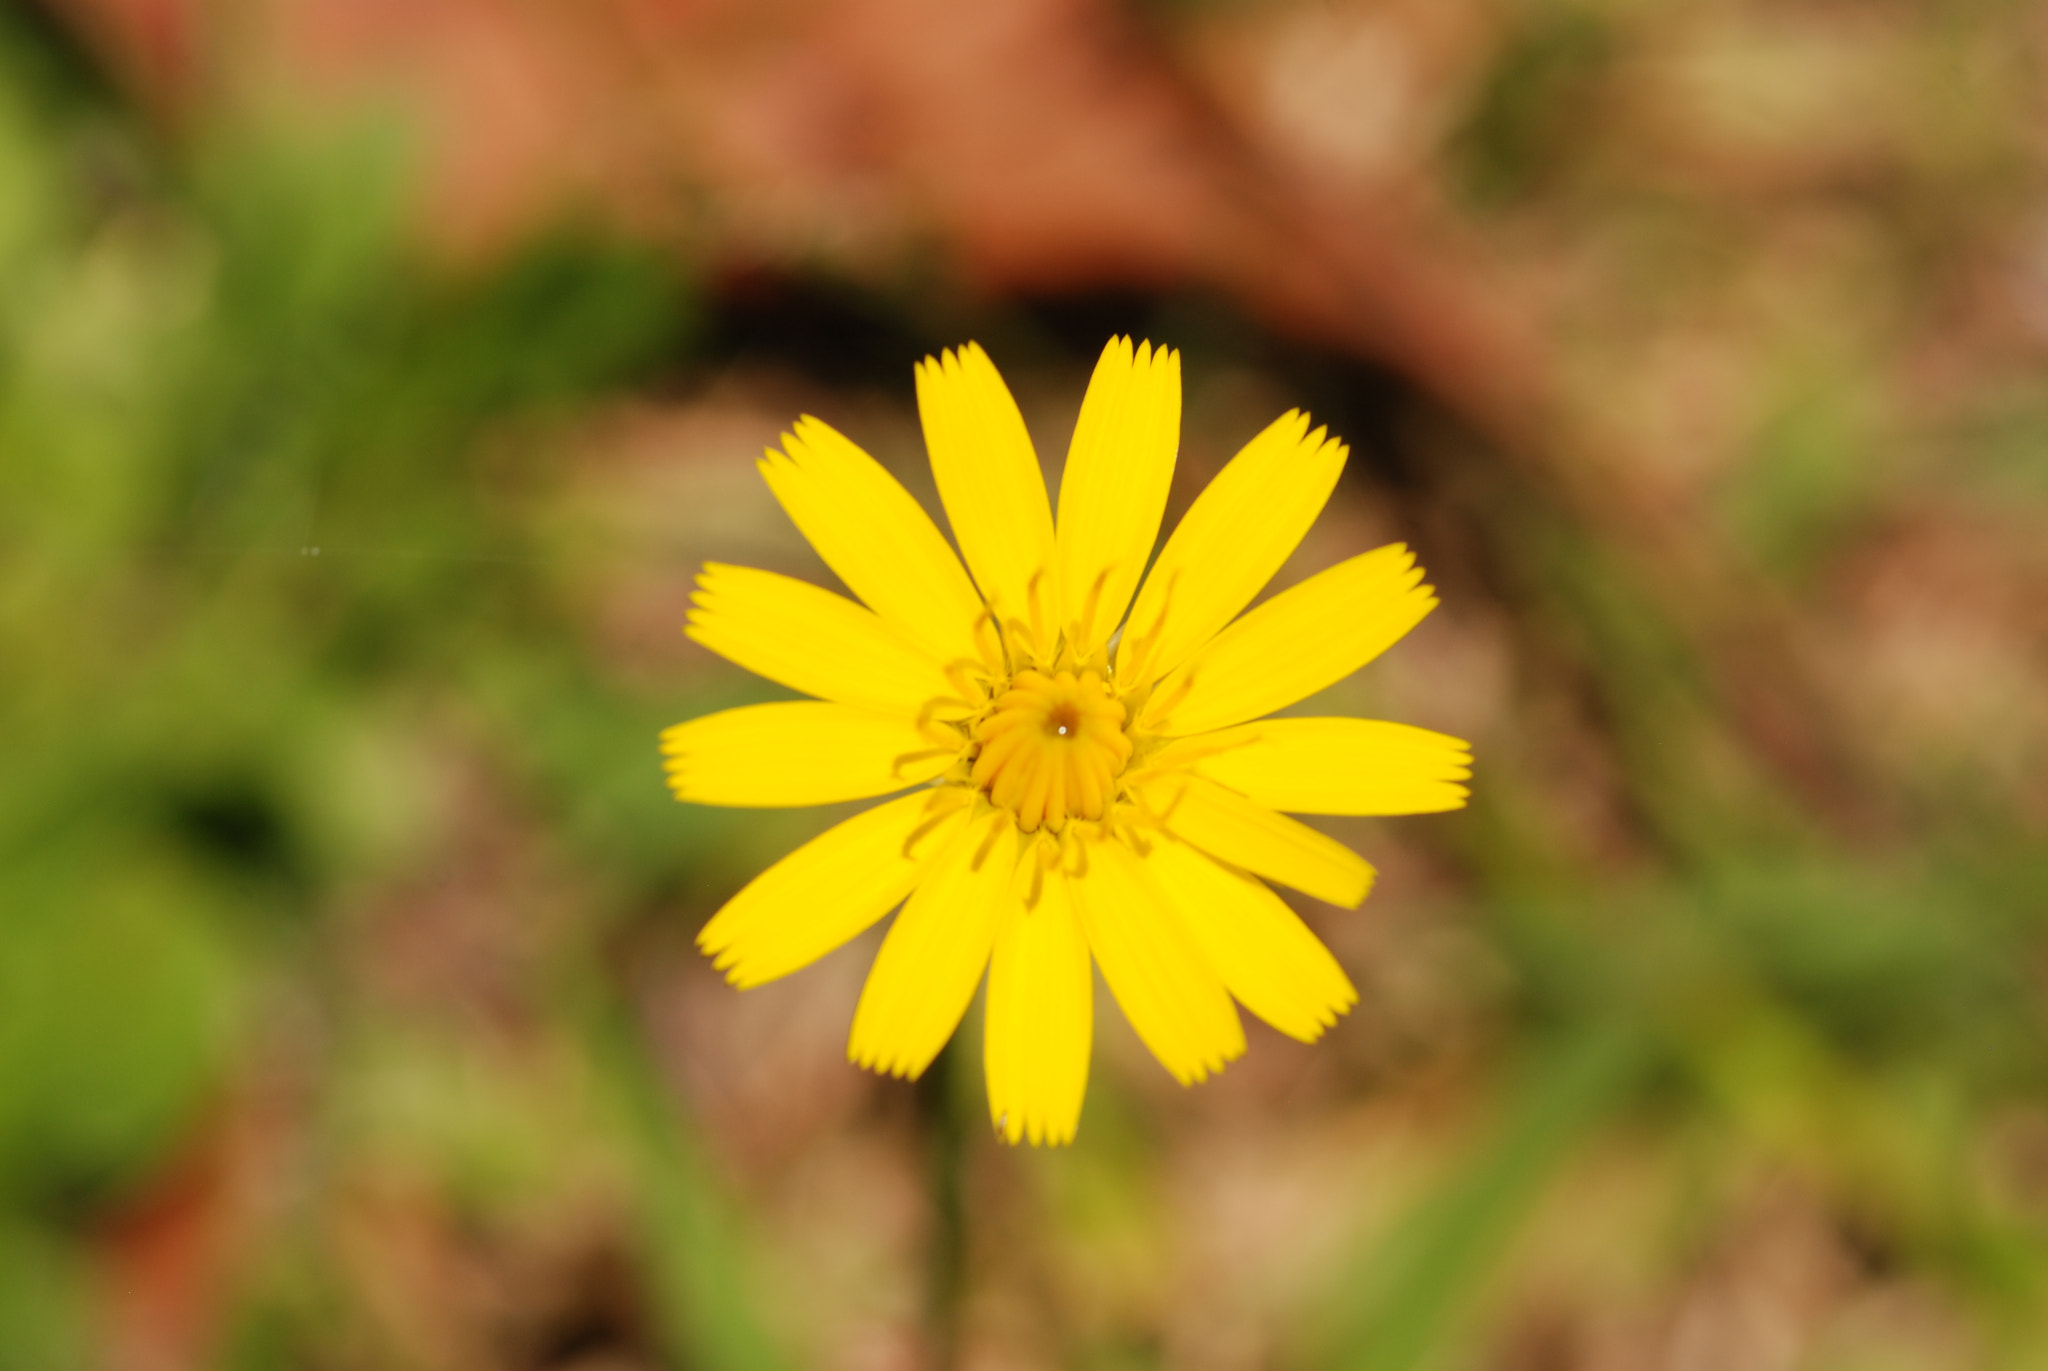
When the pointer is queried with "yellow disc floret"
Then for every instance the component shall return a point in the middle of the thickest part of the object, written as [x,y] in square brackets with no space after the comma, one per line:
[1051,748]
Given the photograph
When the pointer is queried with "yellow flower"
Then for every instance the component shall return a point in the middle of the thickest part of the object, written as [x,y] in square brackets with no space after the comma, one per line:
[1079,792]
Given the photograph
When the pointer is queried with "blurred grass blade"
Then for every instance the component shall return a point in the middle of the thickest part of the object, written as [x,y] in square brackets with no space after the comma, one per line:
[1413,1285]
[705,1314]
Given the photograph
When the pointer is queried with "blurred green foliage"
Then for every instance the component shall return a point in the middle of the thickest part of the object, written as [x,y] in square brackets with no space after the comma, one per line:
[243,536]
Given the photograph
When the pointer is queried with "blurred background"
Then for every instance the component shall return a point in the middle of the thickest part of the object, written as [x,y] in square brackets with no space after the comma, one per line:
[374,376]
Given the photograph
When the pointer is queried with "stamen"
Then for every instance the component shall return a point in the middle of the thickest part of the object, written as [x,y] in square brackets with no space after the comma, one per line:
[1083,634]
[1142,645]
[1015,629]
[1159,706]
[988,845]
[1165,816]
[995,653]
[945,801]
[928,712]
[908,759]
[1186,752]
[969,677]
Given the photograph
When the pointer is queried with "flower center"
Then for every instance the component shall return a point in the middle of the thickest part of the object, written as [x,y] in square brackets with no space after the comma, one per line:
[1051,748]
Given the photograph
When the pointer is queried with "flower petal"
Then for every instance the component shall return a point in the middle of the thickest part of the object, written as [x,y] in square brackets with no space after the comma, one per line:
[1264,952]
[990,482]
[1231,828]
[800,752]
[829,890]
[1041,1010]
[1229,544]
[809,639]
[1301,640]
[876,537]
[1169,992]
[1113,491]
[1334,766]
[933,957]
